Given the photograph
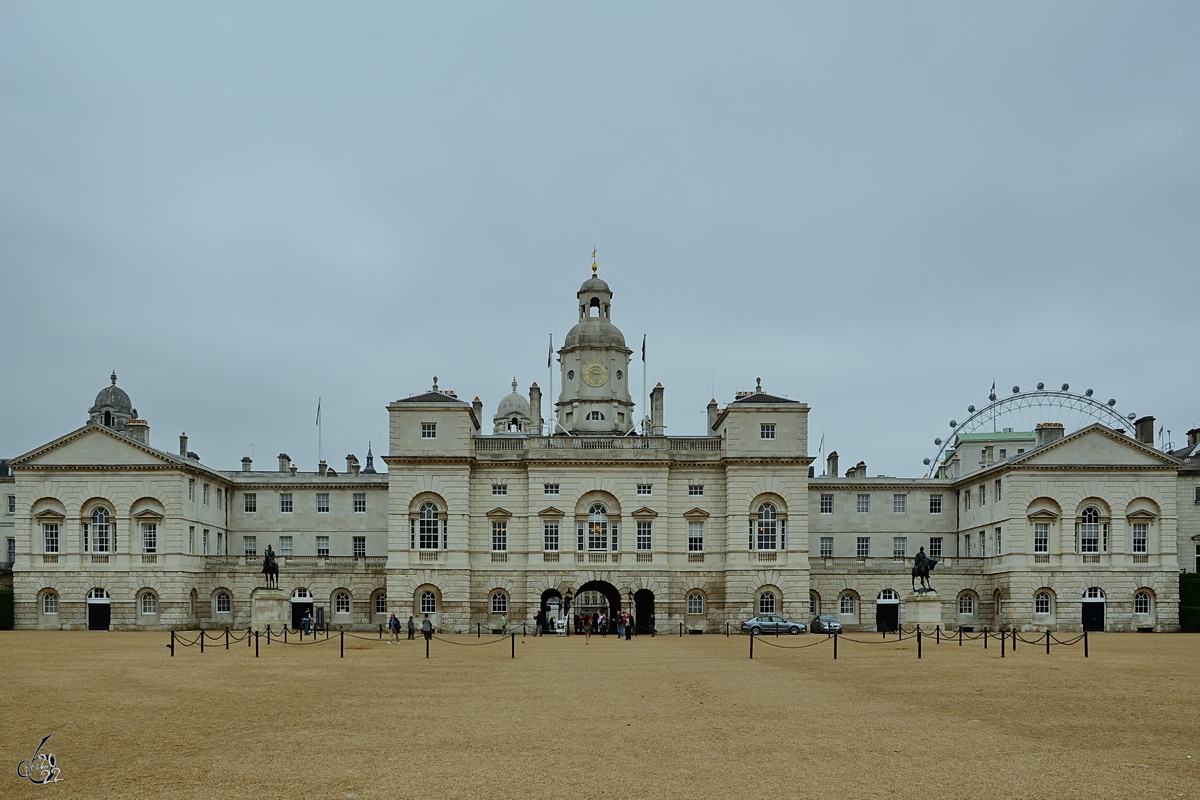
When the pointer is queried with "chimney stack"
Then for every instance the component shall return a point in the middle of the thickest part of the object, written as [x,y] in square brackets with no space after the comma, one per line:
[322,467]
[656,410]
[477,407]
[1194,436]
[246,463]
[284,461]
[831,465]
[535,408]
[1048,432]
[351,464]
[1144,429]
[714,414]
[138,429]
[183,445]
[859,470]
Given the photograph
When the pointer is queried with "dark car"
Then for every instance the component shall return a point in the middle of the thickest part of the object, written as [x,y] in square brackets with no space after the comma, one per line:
[826,623]
[772,623]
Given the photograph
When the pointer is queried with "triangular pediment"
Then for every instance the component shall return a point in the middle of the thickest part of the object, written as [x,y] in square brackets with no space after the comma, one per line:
[552,512]
[644,513]
[499,513]
[94,445]
[1044,513]
[1096,445]
[1143,513]
[696,514]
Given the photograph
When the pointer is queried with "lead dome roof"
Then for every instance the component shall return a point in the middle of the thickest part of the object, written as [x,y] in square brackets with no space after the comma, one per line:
[113,397]
[513,404]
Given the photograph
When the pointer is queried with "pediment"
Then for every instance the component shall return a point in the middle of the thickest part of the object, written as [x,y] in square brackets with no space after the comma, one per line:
[94,445]
[1141,513]
[644,513]
[499,513]
[1044,513]
[147,515]
[48,515]
[551,512]
[696,514]
[1096,446]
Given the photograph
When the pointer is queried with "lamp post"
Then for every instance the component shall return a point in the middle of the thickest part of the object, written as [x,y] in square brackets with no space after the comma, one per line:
[567,611]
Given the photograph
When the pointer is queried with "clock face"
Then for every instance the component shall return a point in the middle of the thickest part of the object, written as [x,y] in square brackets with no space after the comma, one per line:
[595,374]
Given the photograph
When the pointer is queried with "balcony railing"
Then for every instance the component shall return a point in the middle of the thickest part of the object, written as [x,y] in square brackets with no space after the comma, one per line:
[704,444]
[341,563]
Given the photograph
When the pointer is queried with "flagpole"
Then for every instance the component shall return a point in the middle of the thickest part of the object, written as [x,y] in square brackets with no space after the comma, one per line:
[553,406]
[645,397]
[320,453]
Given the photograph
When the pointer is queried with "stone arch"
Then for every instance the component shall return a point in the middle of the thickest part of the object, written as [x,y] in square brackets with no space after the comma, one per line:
[592,496]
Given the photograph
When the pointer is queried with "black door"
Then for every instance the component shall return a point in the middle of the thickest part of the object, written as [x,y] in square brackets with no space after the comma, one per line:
[1093,616]
[298,610]
[643,610]
[98,616]
[887,617]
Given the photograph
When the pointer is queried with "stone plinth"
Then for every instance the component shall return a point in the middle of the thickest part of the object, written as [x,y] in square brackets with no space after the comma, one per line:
[924,609]
[270,607]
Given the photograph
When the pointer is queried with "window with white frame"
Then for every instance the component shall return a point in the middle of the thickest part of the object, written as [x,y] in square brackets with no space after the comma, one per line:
[98,532]
[966,605]
[221,551]
[205,494]
[695,490]
[900,547]
[1198,494]
[428,430]
[205,541]
[768,527]
[766,603]
[549,488]
[250,545]
[12,504]
[499,488]
[864,547]
[826,504]
[998,485]
[341,603]
[322,502]
[982,495]
[864,504]
[1141,535]
[1003,453]
[428,603]
[191,539]
[360,546]
[285,502]
[50,537]
[1141,603]
[224,603]
[846,603]
[1089,531]
[695,603]
[935,547]
[967,544]
[645,488]
[149,537]
[191,488]
[50,603]
[595,416]
[967,500]
[1041,603]
[1041,537]
[428,527]
[285,545]
[645,535]
[1093,593]
[999,541]
[499,603]
[935,504]
[899,504]
[696,536]
[766,430]
[983,543]
[149,604]
[499,536]
[597,528]
[360,502]
[550,533]
[323,546]
[826,547]
[250,502]
[381,603]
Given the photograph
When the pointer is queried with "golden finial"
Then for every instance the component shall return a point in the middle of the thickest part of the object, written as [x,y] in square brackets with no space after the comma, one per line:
[594,267]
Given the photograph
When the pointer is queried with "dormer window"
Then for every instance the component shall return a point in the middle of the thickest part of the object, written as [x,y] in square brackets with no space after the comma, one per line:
[595,415]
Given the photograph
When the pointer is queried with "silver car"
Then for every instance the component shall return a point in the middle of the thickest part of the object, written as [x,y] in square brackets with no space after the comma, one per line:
[826,623]
[772,623]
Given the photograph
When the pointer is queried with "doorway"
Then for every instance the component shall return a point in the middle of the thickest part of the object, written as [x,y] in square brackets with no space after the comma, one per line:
[1093,609]
[887,611]
[99,610]
[643,611]
[598,597]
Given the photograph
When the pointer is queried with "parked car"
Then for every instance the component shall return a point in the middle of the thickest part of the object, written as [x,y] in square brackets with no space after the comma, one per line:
[772,623]
[826,623]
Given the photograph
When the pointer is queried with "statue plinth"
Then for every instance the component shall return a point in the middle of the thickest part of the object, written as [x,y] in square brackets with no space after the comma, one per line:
[270,607]
[923,608]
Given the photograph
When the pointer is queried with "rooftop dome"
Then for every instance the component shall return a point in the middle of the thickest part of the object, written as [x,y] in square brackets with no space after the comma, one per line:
[113,398]
[594,331]
[513,404]
[594,284]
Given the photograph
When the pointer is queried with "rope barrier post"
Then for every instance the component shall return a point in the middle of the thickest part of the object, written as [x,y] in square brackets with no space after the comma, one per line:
[918,642]
[514,645]
[268,635]
[1003,639]
[681,630]
[985,638]
[427,646]
[1014,632]
[835,635]
[477,631]
[285,633]
[1085,643]
[256,644]
[1047,641]
[247,637]
[900,632]
[172,645]
[342,644]
[726,630]
[751,645]
[960,636]
[202,640]
[937,633]
[226,637]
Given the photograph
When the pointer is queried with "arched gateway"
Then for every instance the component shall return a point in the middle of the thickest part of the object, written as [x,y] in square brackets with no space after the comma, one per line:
[597,596]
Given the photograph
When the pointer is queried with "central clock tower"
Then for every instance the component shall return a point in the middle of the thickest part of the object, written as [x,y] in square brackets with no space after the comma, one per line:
[595,368]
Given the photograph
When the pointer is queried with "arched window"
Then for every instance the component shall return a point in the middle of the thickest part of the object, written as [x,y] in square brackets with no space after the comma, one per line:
[224,603]
[768,527]
[149,603]
[966,604]
[428,603]
[1041,603]
[50,603]
[846,603]
[1141,603]
[1089,531]
[695,603]
[98,532]
[341,603]
[302,593]
[381,603]
[1093,593]
[595,415]
[889,594]
[499,603]
[108,418]
[597,527]
[766,603]
[427,527]
[98,594]
[814,603]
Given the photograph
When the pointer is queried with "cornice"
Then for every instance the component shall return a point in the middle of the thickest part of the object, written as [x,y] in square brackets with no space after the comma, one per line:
[309,485]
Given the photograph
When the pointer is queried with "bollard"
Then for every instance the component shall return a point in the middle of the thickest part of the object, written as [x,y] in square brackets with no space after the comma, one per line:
[835,645]
[381,631]
[268,635]
[1047,641]
[255,644]
[1003,639]
[427,647]
[172,645]
[960,636]
[1014,632]
[285,633]
[985,638]
[226,637]
[514,645]
[202,640]
[918,641]
[900,633]
[937,633]
[342,644]
[1085,644]
[681,630]
[751,645]
[247,637]
[726,630]
[478,631]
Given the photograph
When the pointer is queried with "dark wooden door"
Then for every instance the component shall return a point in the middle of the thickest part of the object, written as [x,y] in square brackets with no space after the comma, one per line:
[1093,616]
[99,616]
[887,617]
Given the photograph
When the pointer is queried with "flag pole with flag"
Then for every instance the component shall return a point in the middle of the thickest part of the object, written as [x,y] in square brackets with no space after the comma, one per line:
[553,411]
[320,455]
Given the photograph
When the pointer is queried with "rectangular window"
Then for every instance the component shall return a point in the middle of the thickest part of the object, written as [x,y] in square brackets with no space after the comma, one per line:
[695,537]
[1089,537]
[205,495]
[500,536]
[499,488]
[221,549]
[864,547]
[997,491]
[360,547]
[1020,450]
[428,430]
[322,502]
[191,539]
[900,547]
[285,503]
[360,502]
[967,544]
[967,500]
[826,547]
[250,545]
[250,499]
[645,536]
[285,546]
[1003,454]
[549,488]
[982,496]
[695,490]
[12,504]
[204,541]
[550,537]
[1140,537]
[427,530]
[999,541]
[935,504]
[597,536]
[1198,494]
[900,504]
[645,488]
[191,489]
[50,537]
[149,537]
[935,547]
[766,430]
[219,493]
[826,504]
[1041,537]
[864,503]
[983,543]
[323,546]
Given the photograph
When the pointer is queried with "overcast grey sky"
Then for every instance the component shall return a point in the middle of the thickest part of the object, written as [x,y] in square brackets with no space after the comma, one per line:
[877,208]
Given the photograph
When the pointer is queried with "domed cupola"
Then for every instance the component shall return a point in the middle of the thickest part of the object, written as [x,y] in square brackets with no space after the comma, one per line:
[512,415]
[112,408]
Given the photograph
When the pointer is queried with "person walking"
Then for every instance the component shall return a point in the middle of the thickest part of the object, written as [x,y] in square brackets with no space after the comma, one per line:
[412,626]
[621,625]
[653,630]
[504,624]
[537,623]
[306,624]
[427,628]
[394,629]
[629,627]
[587,628]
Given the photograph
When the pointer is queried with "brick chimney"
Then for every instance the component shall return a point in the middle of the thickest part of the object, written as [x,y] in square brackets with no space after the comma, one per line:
[1048,432]
[714,413]
[656,410]
[831,464]
[284,462]
[1144,430]
[183,442]
[1194,436]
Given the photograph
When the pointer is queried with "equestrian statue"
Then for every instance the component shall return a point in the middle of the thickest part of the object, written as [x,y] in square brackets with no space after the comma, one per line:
[270,569]
[922,566]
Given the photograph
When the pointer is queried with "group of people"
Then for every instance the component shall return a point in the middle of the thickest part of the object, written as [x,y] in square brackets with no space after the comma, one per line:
[599,622]
[394,626]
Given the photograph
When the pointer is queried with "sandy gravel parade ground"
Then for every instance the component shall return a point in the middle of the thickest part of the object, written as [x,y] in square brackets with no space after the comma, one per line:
[654,717]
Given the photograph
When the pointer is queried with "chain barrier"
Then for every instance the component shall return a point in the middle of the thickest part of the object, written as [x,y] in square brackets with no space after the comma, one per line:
[471,644]
[826,640]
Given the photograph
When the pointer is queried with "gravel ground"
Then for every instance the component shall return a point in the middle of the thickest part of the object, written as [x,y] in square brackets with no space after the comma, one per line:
[656,717]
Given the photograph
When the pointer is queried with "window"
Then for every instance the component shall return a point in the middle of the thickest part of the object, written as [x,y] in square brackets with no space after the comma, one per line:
[50,603]
[966,605]
[999,541]
[935,547]
[982,495]
[597,528]
[1141,603]
[549,488]
[500,536]
[695,603]
[766,603]
[285,503]
[645,488]
[814,603]
[428,603]
[220,544]
[846,604]
[998,483]
[550,537]
[360,502]
[1140,536]
[191,539]
[967,500]
[826,504]
[428,430]
[12,504]
[499,488]
[695,537]
[967,547]
[149,604]
[864,504]
[595,415]
[322,502]
[224,604]
[983,543]
[768,527]
[1020,450]
[864,547]
[1003,455]
[1041,537]
[149,537]
[250,499]
[766,430]
[99,531]
[1093,593]
[250,545]
[205,495]
[900,547]
[323,546]
[285,545]
[645,538]
[1198,494]
[191,488]
[899,504]
[427,527]
[205,541]
[220,491]
[1089,531]
[50,537]
[826,547]
[1041,603]
[341,603]
[499,603]
[360,547]
[695,490]
[381,603]
[935,504]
